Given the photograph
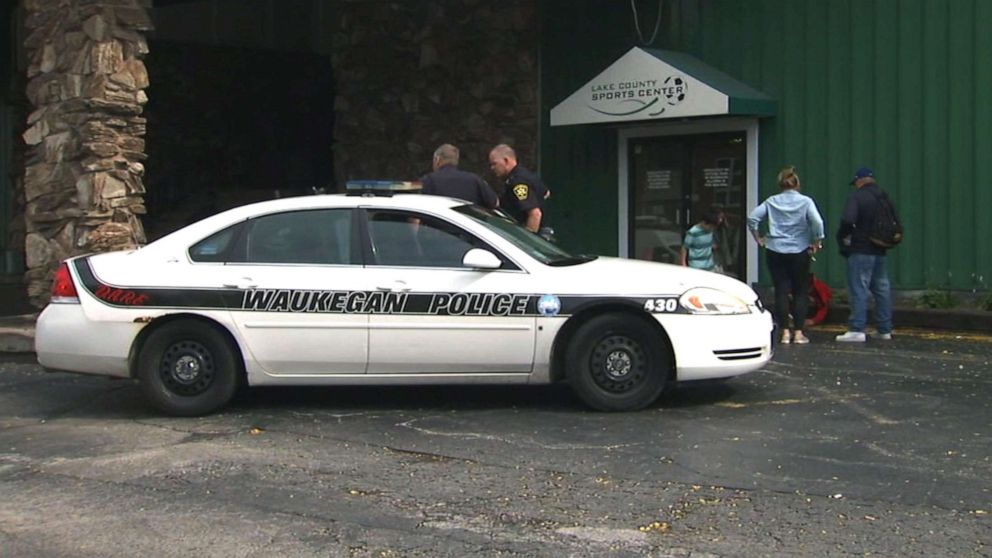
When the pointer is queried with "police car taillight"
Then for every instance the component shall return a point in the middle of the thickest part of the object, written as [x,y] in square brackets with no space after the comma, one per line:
[63,289]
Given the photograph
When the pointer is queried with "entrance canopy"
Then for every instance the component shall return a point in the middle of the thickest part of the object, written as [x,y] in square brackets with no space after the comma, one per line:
[649,84]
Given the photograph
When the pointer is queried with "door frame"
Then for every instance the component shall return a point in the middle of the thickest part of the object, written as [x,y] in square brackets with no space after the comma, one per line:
[747,125]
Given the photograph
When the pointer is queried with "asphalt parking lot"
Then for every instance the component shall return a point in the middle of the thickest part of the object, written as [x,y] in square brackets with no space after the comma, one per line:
[881,448]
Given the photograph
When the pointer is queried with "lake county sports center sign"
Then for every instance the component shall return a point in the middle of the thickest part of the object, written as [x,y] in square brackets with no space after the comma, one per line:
[649,84]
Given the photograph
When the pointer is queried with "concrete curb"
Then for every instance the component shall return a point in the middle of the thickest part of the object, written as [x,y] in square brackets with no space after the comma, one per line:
[953,319]
[17,333]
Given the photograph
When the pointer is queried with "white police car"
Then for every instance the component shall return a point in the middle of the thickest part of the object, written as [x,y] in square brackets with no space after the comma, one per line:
[338,289]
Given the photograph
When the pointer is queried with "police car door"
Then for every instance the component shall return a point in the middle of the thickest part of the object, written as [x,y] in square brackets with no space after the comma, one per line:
[444,318]
[298,274]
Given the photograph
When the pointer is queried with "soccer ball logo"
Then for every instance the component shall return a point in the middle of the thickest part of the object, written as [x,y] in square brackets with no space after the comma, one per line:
[549,305]
[675,89]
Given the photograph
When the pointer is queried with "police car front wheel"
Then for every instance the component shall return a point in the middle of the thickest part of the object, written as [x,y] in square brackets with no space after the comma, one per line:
[618,362]
[188,368]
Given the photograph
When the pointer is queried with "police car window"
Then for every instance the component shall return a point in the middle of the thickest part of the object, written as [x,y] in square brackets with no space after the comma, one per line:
[301,237]
[216,247]
[536,247]
[407,239]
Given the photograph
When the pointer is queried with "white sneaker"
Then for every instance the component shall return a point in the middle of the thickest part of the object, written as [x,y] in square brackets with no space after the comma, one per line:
[852,337]
[786,337]
[799,339]
[882,336]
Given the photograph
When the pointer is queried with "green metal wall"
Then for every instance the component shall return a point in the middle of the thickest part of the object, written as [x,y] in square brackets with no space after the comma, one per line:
[579,163]
[899,85]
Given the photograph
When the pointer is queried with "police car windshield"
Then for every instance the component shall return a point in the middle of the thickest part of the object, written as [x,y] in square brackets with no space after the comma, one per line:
[535,246]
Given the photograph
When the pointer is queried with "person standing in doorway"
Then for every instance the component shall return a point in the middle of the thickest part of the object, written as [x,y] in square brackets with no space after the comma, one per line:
[448,180]
[866,266]
[524,194]
[699,246]
[795,234]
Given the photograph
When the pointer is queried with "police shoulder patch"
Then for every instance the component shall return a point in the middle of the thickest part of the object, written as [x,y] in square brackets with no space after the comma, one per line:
[521,191]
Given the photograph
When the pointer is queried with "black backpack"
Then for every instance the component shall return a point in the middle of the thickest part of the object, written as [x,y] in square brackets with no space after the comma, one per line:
[886,230]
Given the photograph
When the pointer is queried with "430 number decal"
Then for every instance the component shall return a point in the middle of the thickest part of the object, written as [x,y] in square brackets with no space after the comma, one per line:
[661,305]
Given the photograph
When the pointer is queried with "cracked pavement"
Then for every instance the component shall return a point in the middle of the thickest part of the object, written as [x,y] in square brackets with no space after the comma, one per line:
[834,450]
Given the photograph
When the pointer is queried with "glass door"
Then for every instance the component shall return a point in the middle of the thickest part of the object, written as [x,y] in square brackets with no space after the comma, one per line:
[659,175]
[674,180]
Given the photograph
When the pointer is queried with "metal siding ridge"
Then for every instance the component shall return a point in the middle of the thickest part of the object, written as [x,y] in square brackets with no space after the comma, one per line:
[839,156]
[885,117]
[961,180]
[934,185]
[910,22]
[819,92]
[982,143]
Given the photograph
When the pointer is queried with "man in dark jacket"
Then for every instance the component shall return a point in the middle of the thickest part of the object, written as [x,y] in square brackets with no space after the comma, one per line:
[866,270]
[448,180]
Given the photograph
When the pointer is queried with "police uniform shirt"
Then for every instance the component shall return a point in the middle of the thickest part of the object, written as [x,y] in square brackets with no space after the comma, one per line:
[524,191]
[453,182]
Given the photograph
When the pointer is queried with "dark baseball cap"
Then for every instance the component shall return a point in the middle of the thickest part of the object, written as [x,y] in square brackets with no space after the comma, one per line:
[863,172]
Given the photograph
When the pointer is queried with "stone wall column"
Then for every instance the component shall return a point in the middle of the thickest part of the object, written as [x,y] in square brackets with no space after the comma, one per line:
[85,149]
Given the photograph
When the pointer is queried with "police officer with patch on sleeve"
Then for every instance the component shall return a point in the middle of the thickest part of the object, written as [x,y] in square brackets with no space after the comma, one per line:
[524,193]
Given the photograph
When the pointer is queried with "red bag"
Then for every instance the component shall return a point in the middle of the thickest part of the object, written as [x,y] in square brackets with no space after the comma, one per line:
[819,301]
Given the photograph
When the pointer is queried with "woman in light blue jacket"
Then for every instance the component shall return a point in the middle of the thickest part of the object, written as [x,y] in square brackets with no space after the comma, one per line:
[795,233]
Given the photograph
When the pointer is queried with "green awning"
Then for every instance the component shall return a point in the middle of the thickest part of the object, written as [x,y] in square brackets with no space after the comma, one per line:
[649,84]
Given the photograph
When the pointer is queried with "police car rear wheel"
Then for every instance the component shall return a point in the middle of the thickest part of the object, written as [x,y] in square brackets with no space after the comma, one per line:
[188,368]
[617,362]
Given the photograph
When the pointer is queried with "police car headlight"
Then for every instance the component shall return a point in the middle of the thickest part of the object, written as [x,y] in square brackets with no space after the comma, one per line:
[712,302]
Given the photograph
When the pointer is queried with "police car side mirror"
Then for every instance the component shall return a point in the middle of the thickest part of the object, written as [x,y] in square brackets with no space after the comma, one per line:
[477,258]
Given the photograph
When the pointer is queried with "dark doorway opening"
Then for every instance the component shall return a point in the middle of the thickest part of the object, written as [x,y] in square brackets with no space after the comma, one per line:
[229,126]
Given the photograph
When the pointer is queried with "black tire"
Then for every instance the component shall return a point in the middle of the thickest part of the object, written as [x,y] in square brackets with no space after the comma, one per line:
[188,368]
[618,362]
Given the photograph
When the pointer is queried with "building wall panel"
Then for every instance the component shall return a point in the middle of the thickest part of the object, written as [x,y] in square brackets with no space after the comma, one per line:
[579,163]
[910,107]
[885,118]
[935,143]
[827,91]
[960,176]
[898,85]
[981,147]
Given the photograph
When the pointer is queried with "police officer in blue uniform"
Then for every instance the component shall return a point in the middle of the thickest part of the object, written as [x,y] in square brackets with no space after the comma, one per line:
[524,194]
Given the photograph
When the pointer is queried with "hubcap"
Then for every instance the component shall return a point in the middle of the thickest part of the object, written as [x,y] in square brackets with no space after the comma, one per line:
[618,364]
[187,368]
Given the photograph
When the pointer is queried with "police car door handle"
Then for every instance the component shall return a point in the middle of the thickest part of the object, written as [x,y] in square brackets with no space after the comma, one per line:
[243,283]
[396,286]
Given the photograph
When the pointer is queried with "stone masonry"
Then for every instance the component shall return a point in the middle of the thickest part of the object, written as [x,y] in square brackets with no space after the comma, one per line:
[85,149]
[413,75]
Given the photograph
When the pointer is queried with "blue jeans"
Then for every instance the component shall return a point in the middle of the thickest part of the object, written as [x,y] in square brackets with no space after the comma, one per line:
[866,273]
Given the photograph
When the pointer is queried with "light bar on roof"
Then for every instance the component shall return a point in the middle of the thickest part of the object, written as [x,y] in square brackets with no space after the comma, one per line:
[395,186]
